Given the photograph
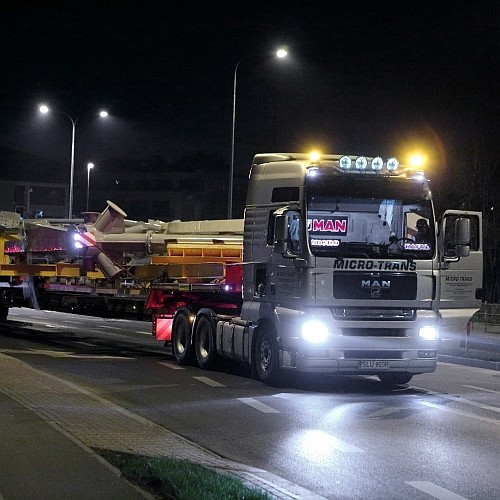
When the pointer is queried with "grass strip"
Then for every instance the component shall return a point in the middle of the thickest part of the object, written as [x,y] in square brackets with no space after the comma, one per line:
[167,478]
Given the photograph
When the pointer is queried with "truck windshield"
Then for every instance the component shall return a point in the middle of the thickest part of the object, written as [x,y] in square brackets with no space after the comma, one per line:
[368,216]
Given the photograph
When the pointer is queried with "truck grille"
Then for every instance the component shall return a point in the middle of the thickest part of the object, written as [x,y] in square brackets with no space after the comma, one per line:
[373,355]
[374,286]
[374,332]
[359,313]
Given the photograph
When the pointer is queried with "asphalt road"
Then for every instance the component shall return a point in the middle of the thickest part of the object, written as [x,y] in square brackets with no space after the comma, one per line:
[346,437]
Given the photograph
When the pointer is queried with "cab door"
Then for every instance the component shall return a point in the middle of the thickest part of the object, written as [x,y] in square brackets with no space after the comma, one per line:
[461,269]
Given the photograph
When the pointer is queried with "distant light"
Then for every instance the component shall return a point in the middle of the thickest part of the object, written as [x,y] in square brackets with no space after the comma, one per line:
[43,109]
[281,53]
[103,114]
[90,165]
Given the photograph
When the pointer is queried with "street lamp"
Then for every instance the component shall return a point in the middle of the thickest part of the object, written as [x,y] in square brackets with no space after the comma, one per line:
[44,110]
[90,166]
[281,53]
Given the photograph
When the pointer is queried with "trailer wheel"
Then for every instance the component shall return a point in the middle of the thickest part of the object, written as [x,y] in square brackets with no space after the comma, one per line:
[204,343]
[395,378]
[181,340]
[265,357]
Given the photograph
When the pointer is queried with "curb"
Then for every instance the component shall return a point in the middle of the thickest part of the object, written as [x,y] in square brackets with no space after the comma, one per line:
[477,363]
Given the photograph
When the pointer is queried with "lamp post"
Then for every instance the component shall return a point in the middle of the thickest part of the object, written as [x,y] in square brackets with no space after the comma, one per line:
[90,166]
[281,53]
[103,114]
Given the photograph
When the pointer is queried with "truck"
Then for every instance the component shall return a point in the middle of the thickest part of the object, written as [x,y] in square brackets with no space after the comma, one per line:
[344,269]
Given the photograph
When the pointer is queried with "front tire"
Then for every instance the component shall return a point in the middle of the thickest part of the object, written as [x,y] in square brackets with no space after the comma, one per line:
[181,339]
[204,343]
[4,312]
[265,356]
[395,378]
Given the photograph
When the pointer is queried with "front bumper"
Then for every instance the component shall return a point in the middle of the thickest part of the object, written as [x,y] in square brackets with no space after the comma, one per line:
[414,357]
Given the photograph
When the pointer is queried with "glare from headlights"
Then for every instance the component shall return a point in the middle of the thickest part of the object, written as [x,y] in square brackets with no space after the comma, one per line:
[314,331]
[428,333]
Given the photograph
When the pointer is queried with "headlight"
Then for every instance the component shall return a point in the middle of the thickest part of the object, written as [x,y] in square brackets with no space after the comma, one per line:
[314,331]
[428,333]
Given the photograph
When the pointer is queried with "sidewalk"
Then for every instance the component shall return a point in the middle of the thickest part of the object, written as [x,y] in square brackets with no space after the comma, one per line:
[481,348]
[51,426]
[40,461]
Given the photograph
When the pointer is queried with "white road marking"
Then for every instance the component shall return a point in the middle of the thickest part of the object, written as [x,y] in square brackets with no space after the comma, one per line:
[384,412]
[100,332]
[61,354]
[481,389]
[143,333]
[72,322]
[257,405]
[172,366]
[110,327]
[458,412]
[434,490]
[316,444]
[209,381]
[458,399]
[344,446]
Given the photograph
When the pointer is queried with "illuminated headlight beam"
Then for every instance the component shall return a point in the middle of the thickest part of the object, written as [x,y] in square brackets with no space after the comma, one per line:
[314,331]
[428,333]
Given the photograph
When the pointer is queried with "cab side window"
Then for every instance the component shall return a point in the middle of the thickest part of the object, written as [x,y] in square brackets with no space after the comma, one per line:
[293,231]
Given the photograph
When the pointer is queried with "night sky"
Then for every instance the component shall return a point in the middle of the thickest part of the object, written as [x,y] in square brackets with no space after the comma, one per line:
[368,78]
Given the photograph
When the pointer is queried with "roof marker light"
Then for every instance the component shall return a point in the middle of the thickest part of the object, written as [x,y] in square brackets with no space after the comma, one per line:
[392,164]
[419,175]
[361,163]
[377,163]
[345,162]
[314,156]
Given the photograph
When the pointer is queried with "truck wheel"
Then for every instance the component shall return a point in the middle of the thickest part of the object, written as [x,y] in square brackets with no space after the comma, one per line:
[265,357]
[4,312]
[395,378]
[204,343]
[181,340]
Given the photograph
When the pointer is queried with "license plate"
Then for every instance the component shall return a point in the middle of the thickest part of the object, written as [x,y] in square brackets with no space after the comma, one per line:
[368,364]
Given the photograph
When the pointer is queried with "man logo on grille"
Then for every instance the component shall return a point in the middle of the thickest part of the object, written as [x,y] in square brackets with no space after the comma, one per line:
[375,284]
